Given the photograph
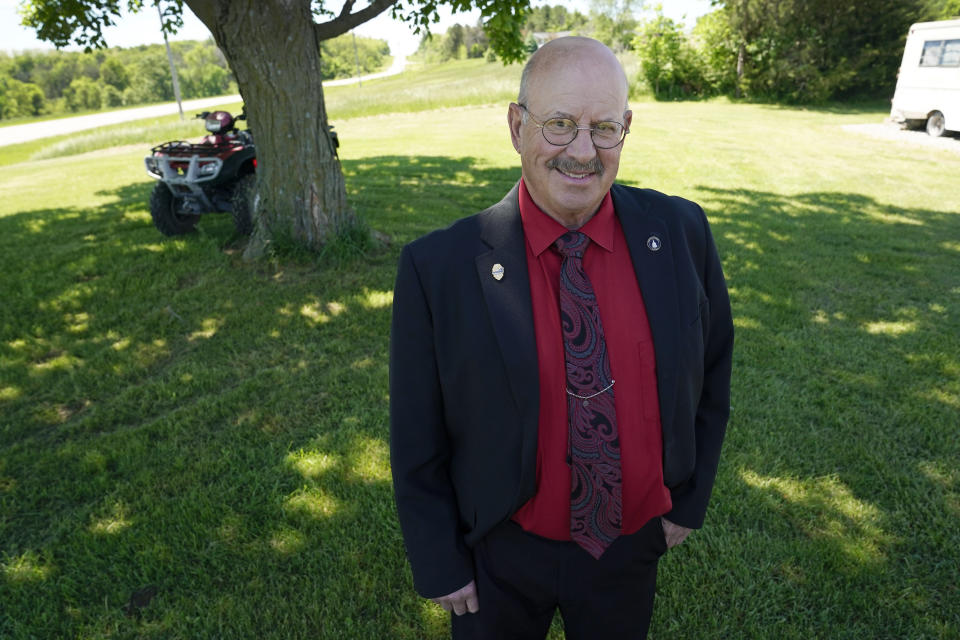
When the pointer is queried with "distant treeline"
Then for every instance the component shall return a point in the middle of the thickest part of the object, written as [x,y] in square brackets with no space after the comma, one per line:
[38,82]
[341,60]
[790,51]
[34,83]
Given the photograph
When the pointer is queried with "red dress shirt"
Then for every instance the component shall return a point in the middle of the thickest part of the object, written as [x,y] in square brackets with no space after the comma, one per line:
[629,344]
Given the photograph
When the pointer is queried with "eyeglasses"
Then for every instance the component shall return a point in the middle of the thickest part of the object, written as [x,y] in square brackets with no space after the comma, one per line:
[562,131]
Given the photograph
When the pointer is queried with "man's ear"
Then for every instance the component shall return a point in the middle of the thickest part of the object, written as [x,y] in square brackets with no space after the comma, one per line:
[627,118]
[514,119]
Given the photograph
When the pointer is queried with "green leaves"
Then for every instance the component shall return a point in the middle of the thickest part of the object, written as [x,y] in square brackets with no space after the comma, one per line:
[803,51]
[502,20]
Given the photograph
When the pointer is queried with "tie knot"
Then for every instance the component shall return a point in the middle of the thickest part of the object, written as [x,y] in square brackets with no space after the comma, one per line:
[572,244]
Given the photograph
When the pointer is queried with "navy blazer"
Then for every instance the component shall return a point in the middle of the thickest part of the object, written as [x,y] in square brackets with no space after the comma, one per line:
[464,385]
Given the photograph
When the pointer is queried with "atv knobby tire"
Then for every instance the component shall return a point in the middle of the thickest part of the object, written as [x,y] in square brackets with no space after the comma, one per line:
[164,211]
[242,204]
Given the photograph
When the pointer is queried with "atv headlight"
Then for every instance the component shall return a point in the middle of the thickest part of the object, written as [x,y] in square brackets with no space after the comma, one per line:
[152,167]
[208,169]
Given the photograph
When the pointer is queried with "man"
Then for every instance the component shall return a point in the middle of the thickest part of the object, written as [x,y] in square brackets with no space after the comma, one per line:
[559,376]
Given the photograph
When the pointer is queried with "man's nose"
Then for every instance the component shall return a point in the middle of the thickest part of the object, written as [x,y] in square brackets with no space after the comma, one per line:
[582,149]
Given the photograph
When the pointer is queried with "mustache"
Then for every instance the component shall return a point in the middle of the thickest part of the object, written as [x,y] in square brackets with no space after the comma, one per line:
[572,166]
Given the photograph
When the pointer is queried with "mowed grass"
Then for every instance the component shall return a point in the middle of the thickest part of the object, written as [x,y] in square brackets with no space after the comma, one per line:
[174,418]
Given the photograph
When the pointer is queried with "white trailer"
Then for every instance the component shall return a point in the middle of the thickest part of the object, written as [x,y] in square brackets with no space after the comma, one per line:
[928,85]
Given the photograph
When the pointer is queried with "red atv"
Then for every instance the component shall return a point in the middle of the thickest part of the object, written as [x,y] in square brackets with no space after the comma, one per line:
[218,174]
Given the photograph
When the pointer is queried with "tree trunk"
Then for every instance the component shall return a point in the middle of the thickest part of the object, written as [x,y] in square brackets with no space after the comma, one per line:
[273,50]
[741,57]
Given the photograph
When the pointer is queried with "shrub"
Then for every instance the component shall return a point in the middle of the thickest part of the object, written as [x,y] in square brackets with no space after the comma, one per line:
[110,96]
[671,66]
[20,99]
[83,93]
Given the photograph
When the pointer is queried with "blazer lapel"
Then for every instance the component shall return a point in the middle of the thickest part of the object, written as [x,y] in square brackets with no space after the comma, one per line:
[508,301]
[652,254]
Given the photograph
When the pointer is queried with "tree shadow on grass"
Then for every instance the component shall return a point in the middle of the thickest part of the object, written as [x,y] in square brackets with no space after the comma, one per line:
[838,501]
[409,196]
[177,418]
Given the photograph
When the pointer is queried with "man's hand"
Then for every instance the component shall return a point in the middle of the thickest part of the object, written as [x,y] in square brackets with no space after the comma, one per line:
[674,533]
[461,600]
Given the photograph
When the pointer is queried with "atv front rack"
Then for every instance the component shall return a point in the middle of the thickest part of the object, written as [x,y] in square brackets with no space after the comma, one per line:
[184,148]
[184,167]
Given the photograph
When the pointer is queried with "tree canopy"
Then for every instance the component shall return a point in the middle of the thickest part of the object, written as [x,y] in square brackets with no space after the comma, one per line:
[81,22]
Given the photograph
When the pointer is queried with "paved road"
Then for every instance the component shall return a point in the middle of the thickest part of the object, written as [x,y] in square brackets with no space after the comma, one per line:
[399,64]
[35,130]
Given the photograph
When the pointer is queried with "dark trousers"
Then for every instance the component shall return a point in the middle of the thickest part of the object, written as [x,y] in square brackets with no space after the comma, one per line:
[522,579]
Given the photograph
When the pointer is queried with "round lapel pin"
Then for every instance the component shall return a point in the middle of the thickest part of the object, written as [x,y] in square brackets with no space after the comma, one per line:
[654,243]
[497,271]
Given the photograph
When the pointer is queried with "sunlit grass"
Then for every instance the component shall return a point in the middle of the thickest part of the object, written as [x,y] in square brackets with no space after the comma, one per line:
[173,416]
[25,568]
[456,84]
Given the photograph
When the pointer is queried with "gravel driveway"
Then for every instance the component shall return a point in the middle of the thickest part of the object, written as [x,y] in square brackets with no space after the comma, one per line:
[890,131]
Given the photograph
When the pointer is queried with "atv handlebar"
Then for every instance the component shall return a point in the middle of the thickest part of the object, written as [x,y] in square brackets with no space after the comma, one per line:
[242,116]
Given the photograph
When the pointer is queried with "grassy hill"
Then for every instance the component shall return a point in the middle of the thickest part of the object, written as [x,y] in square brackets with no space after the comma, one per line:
[195,447]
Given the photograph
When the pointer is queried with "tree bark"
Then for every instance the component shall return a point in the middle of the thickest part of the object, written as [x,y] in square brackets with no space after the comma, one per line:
[272,46]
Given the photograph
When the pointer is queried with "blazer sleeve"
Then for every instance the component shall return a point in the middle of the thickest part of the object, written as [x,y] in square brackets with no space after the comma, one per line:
[713,406]
[420,448]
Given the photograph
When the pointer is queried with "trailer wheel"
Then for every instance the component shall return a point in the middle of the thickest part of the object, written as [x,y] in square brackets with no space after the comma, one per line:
[936,124]
[165,211]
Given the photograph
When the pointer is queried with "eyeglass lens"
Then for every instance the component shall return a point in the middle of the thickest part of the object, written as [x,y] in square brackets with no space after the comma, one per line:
[562,131]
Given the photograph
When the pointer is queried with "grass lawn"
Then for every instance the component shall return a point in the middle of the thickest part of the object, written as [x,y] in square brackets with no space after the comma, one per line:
[196,447]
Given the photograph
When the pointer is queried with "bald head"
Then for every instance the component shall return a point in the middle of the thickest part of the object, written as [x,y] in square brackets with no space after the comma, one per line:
[592,55]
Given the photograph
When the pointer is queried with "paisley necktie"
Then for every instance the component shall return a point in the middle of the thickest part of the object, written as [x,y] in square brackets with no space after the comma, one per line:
[594,445]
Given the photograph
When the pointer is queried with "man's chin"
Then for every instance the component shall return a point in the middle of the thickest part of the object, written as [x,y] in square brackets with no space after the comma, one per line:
[581,209]
[574,193]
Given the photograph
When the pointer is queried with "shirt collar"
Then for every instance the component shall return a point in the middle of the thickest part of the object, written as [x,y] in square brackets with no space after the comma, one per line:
[542,231]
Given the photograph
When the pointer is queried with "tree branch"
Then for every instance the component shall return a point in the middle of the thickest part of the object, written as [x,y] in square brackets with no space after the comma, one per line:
[347,8]
[343,23]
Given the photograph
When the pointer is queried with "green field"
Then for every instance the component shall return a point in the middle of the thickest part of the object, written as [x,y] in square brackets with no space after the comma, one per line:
[173,417]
